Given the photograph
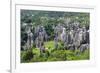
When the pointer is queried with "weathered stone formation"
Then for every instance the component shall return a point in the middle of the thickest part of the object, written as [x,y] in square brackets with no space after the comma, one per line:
[41,37]
[74,38]
[63,35]
[84,47]
[57,34]
[29,36]
[56,40]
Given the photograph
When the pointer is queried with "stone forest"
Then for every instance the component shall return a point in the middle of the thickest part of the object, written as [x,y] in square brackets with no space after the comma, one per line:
[54,36]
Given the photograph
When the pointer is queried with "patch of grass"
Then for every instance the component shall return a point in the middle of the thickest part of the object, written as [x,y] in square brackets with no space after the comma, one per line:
[36,51]
[49,44]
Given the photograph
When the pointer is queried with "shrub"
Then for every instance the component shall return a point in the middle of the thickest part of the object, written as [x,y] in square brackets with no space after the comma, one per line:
[36,51]
[38,59]
[26,55]
[51,54]
[59,55]
[60,47]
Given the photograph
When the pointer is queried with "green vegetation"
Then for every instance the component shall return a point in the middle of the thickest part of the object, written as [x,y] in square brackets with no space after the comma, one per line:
[26,55]
[49,20]
[49,44]
[52,54]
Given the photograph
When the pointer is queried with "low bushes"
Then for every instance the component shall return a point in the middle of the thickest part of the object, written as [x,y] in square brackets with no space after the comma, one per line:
[26,55]
[56,55]
[52,54]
